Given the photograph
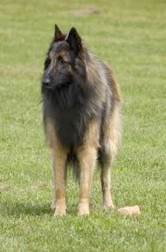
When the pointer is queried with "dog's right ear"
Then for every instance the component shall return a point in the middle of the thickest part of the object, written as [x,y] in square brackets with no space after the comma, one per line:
[57,33]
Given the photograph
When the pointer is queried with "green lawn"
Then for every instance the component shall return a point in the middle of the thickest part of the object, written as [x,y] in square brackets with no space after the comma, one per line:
[131,37]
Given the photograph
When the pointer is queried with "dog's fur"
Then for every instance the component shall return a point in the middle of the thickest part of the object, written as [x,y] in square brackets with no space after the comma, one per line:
[81,114]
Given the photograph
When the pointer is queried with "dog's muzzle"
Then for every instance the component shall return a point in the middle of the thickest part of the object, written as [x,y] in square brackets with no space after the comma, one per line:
[46,81]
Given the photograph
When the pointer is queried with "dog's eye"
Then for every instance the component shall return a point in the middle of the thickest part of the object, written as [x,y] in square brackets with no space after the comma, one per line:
[62,61]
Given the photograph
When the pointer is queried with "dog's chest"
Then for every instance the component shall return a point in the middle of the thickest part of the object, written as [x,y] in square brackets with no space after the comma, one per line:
[70,125]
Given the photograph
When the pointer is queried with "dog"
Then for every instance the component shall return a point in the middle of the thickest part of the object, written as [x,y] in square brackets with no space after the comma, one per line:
[81,116]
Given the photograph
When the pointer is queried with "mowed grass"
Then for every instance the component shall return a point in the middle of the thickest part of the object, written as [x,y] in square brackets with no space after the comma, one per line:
[128,35]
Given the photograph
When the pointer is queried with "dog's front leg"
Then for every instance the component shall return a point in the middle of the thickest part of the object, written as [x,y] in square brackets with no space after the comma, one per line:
[87,155]
[59,157]
[59,169]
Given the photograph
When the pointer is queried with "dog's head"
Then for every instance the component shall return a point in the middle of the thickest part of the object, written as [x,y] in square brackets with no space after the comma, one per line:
[63,65]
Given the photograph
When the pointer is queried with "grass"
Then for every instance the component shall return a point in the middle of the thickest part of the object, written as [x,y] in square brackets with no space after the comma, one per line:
[128,35]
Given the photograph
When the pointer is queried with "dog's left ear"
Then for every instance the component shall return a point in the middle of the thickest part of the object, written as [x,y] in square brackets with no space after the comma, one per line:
[74,40]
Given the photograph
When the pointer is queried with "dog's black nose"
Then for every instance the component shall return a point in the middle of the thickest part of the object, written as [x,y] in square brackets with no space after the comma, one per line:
[46,81]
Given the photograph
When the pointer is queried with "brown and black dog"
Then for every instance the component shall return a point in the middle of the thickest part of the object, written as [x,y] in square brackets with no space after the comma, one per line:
[81,115]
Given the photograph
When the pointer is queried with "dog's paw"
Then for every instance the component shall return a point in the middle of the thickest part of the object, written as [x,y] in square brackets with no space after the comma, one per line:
[60,208]
[83,209]
[60,211]
[109,207]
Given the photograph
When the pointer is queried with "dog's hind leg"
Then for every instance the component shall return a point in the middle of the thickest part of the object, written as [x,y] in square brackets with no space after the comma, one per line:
[109,151]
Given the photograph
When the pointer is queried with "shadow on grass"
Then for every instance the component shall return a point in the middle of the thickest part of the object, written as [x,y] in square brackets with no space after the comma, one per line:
[18,209]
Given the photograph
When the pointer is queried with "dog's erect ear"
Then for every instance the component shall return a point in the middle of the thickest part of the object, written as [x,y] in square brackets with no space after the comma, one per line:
[74,40]
[57,33]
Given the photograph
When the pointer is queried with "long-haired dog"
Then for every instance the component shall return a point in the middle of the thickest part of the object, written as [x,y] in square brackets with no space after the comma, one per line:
[81,115]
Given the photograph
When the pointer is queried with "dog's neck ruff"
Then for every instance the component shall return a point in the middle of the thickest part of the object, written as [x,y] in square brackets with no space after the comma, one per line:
[68,106]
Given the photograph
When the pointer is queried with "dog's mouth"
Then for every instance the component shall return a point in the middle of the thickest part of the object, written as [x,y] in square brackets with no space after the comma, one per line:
[57,86]
[62,85]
